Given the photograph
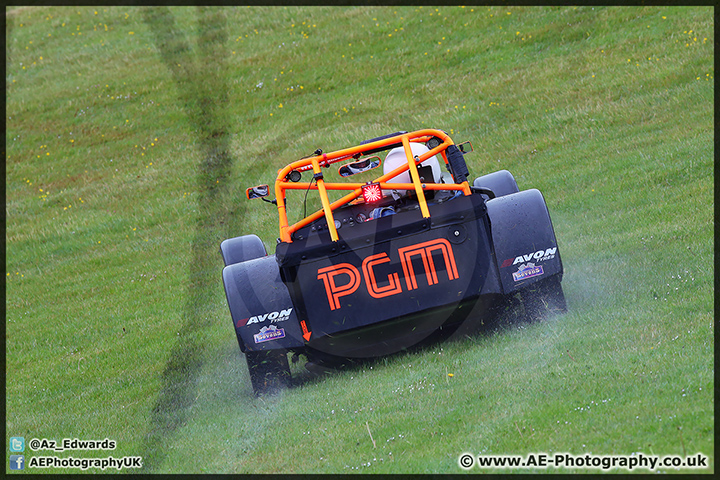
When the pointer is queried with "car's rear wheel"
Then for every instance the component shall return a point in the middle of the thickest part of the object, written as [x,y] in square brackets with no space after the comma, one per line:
[269,371]
[544,299]
[242,249]
[501,183]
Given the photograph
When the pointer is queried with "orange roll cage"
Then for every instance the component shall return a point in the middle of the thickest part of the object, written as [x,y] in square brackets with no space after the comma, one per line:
[315,163]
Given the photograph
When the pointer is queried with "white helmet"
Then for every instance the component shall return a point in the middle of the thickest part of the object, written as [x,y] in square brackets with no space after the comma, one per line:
[396,157]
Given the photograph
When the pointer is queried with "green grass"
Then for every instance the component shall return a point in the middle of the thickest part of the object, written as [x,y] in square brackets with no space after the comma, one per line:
[130,141]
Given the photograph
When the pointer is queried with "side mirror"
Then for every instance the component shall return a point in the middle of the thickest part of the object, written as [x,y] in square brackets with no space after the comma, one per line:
[465,147]
[257,192]
[359,166]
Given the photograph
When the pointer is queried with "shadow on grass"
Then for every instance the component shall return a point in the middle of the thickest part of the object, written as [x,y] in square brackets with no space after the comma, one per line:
[201,78]
[488,320]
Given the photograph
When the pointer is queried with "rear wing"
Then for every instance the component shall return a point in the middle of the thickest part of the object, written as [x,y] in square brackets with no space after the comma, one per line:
[437,141]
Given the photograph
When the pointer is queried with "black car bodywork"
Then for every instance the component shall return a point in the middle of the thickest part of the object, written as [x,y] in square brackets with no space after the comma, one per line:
[361,279]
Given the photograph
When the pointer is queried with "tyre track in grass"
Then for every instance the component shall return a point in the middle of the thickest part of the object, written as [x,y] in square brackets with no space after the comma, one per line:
[201,81]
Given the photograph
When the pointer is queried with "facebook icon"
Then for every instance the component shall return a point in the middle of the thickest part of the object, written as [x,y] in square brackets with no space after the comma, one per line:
[17,462]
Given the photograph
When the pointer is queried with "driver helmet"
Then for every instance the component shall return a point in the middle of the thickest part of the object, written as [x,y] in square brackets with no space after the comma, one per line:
[396,157]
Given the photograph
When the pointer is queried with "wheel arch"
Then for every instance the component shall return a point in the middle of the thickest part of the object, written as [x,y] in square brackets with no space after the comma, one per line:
[524,242]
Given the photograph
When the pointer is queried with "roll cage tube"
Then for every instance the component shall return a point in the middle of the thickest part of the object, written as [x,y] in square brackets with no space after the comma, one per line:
[317,162]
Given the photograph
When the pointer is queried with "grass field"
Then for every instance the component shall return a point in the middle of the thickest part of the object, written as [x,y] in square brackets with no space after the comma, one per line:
[131,134]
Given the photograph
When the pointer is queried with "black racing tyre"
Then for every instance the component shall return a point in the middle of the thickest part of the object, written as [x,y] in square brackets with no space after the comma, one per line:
[242,249]
[544,299]
[501,183]
[269,371]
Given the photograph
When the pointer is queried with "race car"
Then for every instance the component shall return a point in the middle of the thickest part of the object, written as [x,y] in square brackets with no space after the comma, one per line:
[396,260]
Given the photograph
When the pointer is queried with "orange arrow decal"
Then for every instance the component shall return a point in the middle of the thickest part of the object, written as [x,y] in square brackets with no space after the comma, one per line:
[306,334]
